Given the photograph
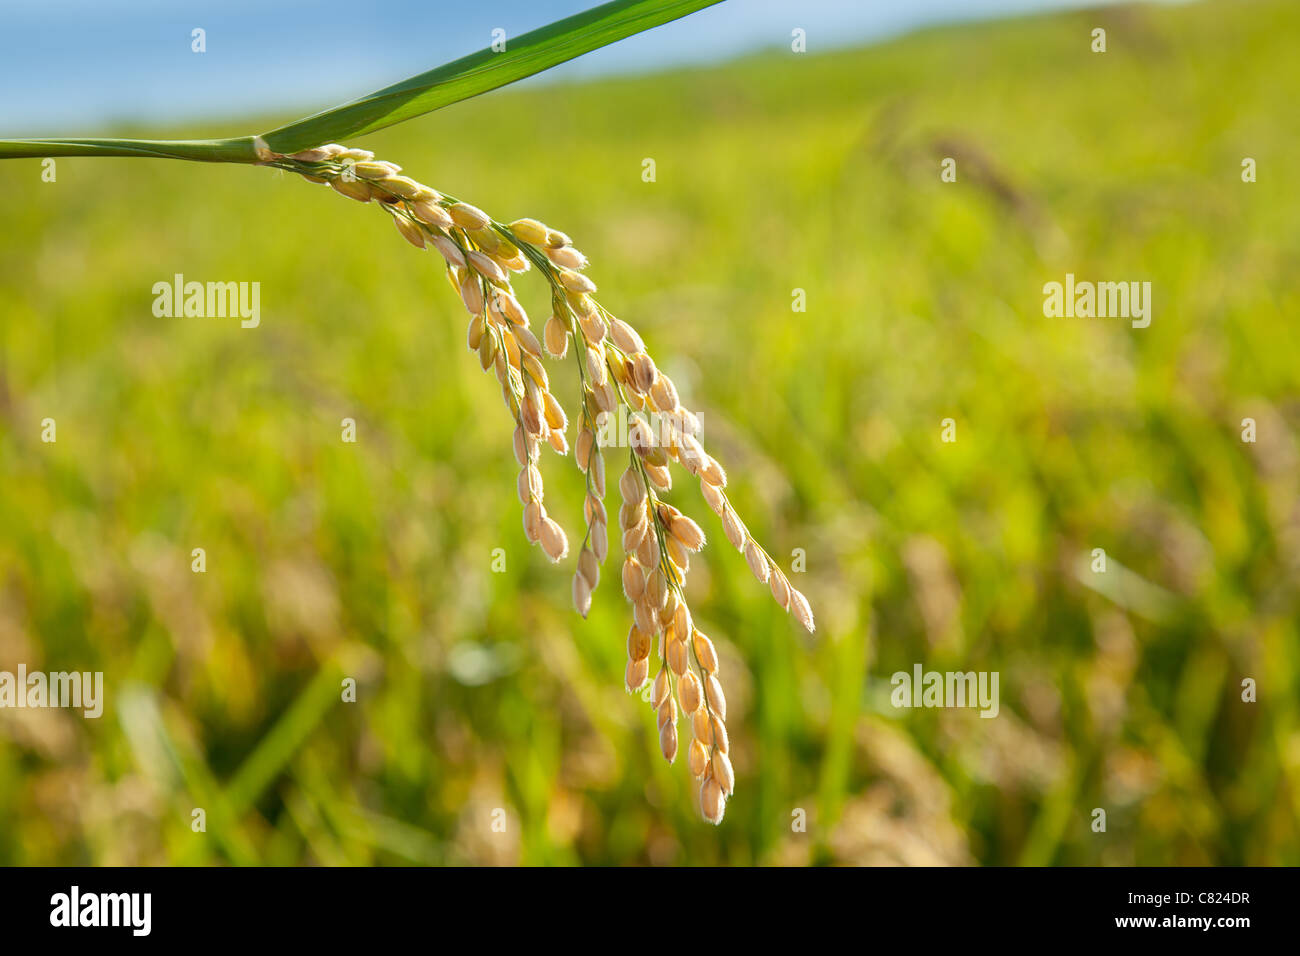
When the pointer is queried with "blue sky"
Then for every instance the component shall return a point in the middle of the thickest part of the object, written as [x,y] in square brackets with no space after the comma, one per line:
[80,66]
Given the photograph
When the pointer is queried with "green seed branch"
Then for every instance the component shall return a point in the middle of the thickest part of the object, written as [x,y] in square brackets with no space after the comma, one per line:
[616,374]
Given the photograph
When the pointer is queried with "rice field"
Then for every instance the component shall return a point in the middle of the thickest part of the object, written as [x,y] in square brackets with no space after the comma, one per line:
[369,665]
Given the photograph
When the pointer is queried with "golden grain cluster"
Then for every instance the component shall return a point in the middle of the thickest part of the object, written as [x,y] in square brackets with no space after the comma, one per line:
[615,373]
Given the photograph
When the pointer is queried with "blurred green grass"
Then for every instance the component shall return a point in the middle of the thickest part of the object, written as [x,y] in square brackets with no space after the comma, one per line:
[480,691]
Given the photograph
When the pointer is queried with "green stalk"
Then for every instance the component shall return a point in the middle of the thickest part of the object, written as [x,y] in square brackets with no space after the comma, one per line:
[240,150]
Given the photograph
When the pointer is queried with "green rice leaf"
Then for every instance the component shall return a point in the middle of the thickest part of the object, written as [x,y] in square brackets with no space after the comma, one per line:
[483,71]
[459,80]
